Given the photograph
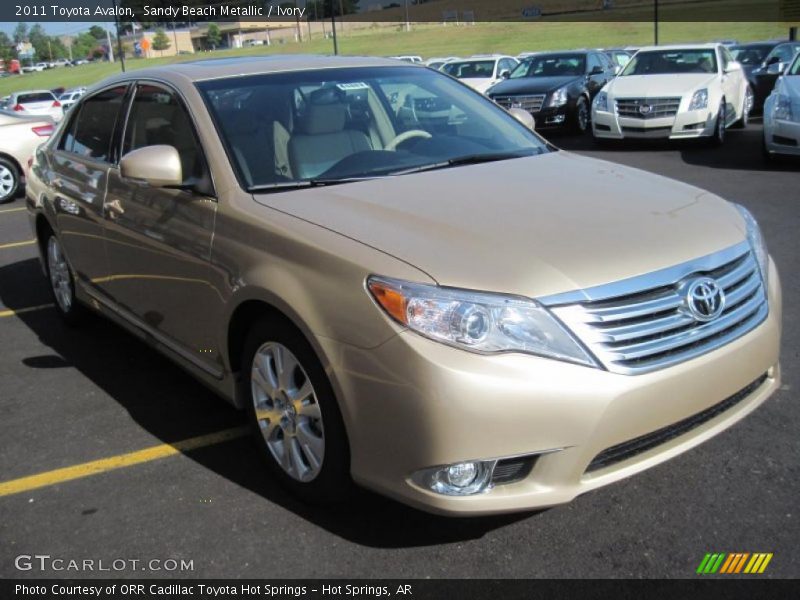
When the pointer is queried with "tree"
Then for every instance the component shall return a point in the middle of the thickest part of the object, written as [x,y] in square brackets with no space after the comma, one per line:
[38,39]
[213,35]
[83,45]
[160,41]
[7,51]
[20,33]
[97,32]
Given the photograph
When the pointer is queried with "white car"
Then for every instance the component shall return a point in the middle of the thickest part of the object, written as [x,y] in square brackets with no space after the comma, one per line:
[481,72]
[436,63]
[675,92]
[408,58]
[68,99]
[19,137]
[36,103]
[782,114]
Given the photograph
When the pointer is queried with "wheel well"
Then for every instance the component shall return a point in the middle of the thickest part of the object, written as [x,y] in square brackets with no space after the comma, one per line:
[245,315]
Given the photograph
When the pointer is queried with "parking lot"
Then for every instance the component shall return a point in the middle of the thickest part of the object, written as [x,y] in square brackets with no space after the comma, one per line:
[74,396]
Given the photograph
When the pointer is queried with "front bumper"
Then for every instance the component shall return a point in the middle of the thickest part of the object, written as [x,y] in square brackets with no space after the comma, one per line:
[551,117]
[412,403]
[782,137]
[686,124]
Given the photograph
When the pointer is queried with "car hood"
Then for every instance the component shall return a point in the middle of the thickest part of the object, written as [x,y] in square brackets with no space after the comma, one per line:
[532,226]
[532,85]
[654,86]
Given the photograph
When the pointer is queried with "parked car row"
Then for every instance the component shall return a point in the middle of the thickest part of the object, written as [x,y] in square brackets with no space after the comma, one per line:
[19,137]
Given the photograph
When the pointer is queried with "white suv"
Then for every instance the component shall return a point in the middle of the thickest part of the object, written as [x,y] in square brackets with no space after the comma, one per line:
[674,92]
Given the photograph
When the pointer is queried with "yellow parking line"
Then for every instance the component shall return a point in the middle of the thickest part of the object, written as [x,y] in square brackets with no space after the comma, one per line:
[5,210]
[15,244]
[18,311]
[32,482]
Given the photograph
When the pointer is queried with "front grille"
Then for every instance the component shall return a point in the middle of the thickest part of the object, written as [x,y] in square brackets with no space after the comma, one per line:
[639,445]
[509,470]
[531,103]
[626,129]
[644,324]
[654,108]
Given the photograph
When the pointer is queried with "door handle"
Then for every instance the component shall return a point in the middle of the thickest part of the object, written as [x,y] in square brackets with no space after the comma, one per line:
[114,209]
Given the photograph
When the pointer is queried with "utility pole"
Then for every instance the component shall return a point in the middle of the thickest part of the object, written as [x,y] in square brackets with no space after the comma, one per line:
[655,22]
[49,50]
[333,26]
[175,36]
[110,47]
[119,38]
[408,25]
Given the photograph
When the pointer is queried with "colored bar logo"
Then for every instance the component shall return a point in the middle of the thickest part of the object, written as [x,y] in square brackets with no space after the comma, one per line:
[734,562]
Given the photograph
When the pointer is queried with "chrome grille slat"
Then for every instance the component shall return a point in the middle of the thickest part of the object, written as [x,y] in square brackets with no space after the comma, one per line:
[659,107]
[645,323]
[530,102]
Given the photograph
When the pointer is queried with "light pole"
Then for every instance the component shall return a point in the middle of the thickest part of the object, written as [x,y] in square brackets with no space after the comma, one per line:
[655,22]
[119,38]
[333,26]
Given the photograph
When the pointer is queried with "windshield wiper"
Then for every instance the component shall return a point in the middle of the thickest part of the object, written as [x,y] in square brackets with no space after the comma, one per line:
[283,186]
[469,159]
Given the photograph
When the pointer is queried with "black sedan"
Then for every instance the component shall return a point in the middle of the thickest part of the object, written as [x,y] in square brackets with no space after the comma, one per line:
[557,88]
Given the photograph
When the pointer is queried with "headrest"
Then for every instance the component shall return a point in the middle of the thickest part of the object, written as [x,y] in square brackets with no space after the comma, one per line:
[325,113]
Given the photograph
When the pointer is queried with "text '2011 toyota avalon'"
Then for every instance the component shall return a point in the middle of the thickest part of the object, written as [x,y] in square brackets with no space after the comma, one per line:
[404,286]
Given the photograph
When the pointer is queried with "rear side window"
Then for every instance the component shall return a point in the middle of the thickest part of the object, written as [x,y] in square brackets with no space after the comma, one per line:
[37,97]
[90,132]
[157,117]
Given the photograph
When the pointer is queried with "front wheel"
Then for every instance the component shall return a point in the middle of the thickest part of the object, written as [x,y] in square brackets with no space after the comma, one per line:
[296,421]
[580,120]
[747,106]
[718,137]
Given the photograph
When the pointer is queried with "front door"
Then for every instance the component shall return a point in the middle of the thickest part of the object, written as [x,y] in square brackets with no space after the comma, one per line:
[159,239]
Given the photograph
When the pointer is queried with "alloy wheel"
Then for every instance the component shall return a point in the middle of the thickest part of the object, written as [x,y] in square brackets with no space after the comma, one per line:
[287,411]
[7,181]
[722,117]
[60,279]
[583,116]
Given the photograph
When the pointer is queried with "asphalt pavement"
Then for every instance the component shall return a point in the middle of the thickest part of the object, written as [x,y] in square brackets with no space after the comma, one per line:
[72,396]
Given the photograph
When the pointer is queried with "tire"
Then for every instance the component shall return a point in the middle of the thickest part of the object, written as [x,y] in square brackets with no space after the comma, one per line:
[718,137]
[296,422]
[747,106]
[9,180]
[62,282]
[581,116]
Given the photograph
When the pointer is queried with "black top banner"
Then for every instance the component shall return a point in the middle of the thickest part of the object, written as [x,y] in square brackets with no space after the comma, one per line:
[459,11]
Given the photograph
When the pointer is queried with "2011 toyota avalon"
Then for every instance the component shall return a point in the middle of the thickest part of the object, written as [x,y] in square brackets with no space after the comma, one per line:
[674,92]
[404,286]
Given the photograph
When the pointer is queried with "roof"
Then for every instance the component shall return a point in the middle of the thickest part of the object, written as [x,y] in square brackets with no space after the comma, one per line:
[217,68]
[708,46]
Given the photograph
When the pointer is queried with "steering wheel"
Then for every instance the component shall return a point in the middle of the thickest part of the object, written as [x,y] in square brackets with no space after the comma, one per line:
[407,135]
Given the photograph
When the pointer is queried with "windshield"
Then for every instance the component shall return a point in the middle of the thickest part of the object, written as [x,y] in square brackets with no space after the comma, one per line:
[750,55]
[470,69]
[342,124]
[551,65]
[671,62]
[795,68]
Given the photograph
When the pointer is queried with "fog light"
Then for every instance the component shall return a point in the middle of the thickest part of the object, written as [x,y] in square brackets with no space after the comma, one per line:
[459,479]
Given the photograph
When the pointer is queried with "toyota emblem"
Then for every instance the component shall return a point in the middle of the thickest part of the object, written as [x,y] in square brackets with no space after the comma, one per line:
[705,299]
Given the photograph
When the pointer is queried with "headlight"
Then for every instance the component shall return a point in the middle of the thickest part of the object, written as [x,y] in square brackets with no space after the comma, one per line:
[477,321]
[783,108]
[559,97]
[601,101]
[757,243]
[699,100]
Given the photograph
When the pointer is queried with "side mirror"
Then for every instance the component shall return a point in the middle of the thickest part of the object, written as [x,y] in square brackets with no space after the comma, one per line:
[597,70]
[733,66]
[159,166]
[524,117]
[504,74]
[776,68]
[773,60]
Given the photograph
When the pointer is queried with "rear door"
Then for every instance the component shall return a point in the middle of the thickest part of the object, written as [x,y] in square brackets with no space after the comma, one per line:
[78,175]
[159,239]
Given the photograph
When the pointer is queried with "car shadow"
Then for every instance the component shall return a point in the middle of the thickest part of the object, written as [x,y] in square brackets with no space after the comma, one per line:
[172,406]
[740,151]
